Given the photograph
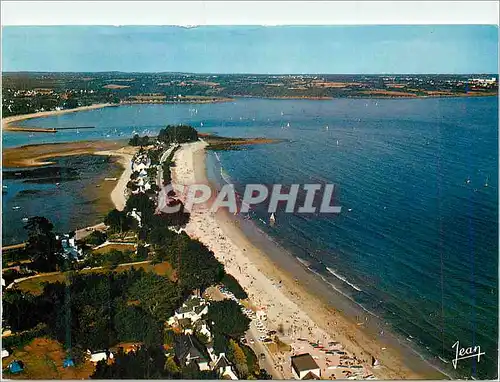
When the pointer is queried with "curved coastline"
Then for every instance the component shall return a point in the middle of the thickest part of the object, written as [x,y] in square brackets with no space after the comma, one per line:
[286,289]
[8,122]
[268,266]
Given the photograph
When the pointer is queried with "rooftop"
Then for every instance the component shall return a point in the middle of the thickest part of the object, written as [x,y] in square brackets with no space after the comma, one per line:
[304,362]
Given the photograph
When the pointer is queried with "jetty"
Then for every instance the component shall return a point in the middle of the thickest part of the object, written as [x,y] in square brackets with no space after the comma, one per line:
[45,129]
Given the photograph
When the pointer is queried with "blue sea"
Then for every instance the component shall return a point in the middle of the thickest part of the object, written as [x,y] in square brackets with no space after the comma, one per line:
[417,240]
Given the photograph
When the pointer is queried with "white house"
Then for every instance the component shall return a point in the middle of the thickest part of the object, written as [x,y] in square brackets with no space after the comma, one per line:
[100,355]
[224,368]
[201,327]
[137,215]
[70,248]
[188,350]
[305,367]
[194,308]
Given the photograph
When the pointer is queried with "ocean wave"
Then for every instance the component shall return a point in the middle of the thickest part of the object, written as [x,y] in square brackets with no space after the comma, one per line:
[340,277]
[305,263]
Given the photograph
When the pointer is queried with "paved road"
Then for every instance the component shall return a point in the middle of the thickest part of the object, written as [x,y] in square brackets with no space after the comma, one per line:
[16,281]
[258,347]
[163,158]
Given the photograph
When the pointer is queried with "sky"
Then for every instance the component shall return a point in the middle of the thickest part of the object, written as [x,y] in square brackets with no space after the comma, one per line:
[458,49]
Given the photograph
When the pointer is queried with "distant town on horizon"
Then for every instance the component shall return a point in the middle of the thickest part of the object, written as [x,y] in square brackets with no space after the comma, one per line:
[31,92]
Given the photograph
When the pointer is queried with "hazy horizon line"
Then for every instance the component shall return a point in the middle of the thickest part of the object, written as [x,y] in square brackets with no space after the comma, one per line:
[248,74]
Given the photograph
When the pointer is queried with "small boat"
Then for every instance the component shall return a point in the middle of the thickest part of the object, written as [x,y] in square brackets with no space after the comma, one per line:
[288,124]
[272,219]
[486,183]
[24,220]
[467,181]
[350,209]
[15,208]
[201,124]
[326,128]
[337,142]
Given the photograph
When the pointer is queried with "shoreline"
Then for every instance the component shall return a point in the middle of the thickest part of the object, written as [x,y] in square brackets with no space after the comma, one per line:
[36,155]
[288,303]
[124,158]
[8,121]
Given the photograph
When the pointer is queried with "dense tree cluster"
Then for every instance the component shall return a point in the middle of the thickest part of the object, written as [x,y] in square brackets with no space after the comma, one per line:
[96,238]
[42,247]
[227,318]
[232,284]
[136,140]
[99,310]
[178,134]
[147,363]
[96,312]
[118,221]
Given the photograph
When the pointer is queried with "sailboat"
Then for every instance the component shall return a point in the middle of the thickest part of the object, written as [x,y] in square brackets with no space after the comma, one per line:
[272,219]
[337,142]
[326,127]
[288,124]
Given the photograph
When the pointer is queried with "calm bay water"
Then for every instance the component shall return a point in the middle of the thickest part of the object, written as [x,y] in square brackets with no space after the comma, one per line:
[71,193]
[417,240]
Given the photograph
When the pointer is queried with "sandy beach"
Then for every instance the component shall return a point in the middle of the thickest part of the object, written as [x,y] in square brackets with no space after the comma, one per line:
[286,302]
[8,123]
[125,155]
[39,155]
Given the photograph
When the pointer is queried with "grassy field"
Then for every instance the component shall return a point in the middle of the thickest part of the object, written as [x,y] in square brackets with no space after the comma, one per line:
[43,359]
[118,247]
[35,284]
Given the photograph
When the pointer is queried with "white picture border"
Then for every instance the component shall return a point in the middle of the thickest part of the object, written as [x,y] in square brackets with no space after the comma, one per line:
[193,13]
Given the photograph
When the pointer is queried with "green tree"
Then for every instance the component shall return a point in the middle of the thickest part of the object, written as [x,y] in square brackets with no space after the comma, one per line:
[96,238]
[197,267]
[118,221]
[44,250]
[142,203]
[145,363]
[178,134]
[234,286]
[21,310]
[172,368]
[157,295]
[134,324]
[228,318]
[237,356]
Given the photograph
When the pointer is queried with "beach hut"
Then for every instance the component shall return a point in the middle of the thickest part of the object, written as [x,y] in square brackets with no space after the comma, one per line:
[16,367]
